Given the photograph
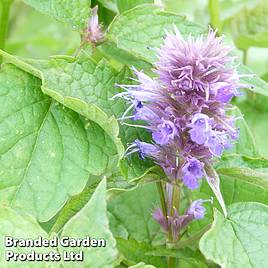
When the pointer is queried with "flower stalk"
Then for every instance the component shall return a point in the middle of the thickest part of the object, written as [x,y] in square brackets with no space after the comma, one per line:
[171,241]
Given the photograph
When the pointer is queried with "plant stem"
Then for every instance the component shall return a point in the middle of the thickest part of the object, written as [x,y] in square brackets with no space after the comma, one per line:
[175,201]
[214,12]
[173,262]
[4,16]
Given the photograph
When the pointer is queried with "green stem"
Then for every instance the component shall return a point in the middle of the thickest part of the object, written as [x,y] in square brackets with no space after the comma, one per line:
[4,15]
[214,12]
[173,262]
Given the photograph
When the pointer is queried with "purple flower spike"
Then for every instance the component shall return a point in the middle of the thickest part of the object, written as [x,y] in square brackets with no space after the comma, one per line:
[192,171]
[94,30]
[184,107]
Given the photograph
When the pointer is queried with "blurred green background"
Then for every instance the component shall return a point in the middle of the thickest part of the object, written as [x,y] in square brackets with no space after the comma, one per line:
[32,34]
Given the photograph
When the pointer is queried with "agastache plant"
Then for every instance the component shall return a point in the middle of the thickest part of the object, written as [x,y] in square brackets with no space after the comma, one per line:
[185,109]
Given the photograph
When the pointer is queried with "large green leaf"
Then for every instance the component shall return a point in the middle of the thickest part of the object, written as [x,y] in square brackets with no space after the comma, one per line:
[81,85]
[239,240]
[47,151]
[140,30]
[17,225]
[74,12]
[92,221]
[243,184]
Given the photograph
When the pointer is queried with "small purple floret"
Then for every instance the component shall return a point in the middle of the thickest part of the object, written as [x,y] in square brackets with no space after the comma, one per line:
[192,172]
[200,128]
[165,132]
[144,149]
[197,210]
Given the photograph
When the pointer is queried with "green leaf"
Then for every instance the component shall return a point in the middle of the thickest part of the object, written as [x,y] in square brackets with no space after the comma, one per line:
[139,30]
[74,12]
[92,221]
[114,53]
[246,144]
[109,4]
[254,83]
[249,27]
[134,251]
[74,205]
[79,85]
[255,112]
[133,209]
[239,240]
[243,184]
[242,179]
[237,160]
[124,5]
[186,257]
[117,184]
[47,151]
[18,225]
